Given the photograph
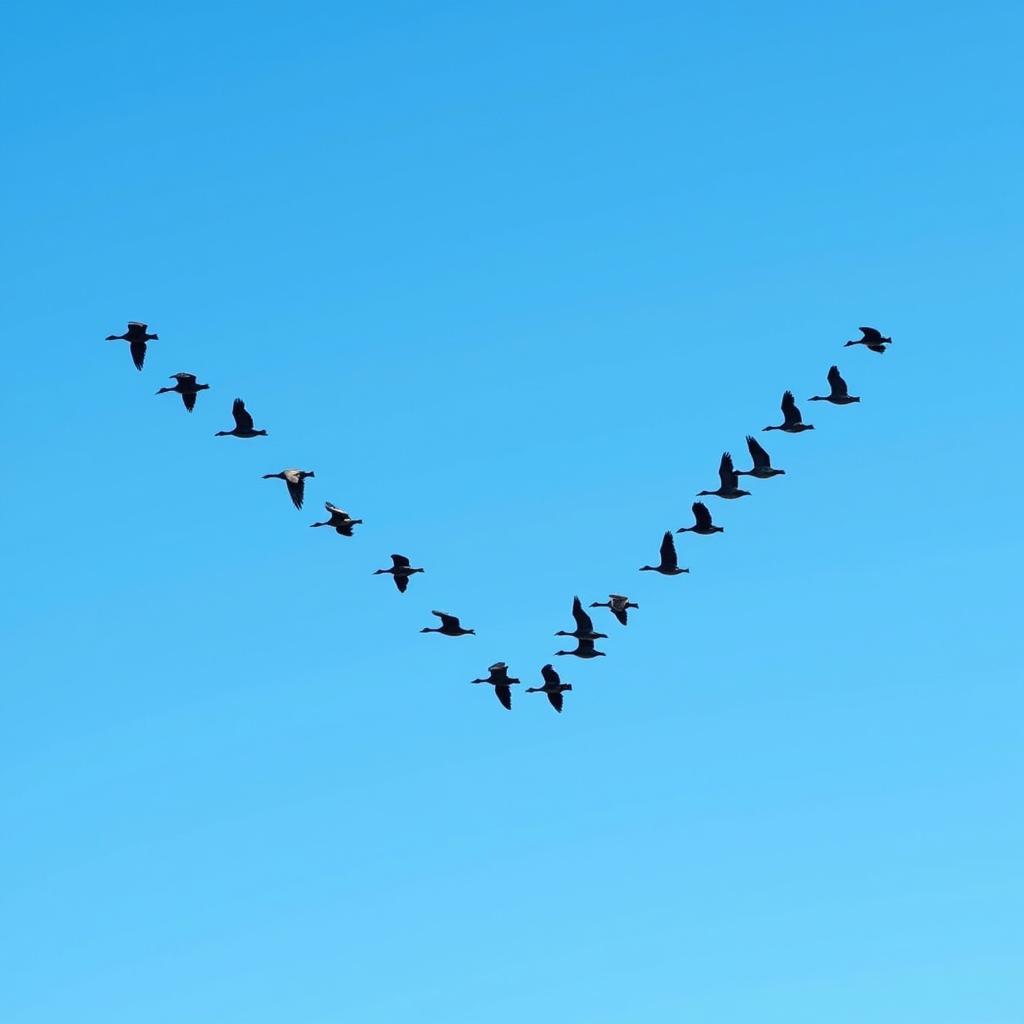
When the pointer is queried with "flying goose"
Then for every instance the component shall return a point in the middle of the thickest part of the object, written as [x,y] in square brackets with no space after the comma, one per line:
[186,387]
[339,519]
[872,339]
[400,571]
[702,521]
[618,604]
[669,560]
[136,337]
[792,421]
[728,480]
[450,626]
[296,481]
[499,678]
[762,468]
[553,687]
[584,649]
[584,624]
[243,423]
[839,393]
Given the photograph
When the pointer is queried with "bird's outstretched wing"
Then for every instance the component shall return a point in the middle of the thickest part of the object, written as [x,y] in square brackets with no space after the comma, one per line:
[138,351]
[551,677]
[296,490]
[243,421]
[555,696]
[870,334]
[790,412]
[701,515]
[504,694]
[669,559]
[401,582]
[189,398]
[761,458]
[584,623]
[836,383]
[400,562]
[727,473]
[447,621]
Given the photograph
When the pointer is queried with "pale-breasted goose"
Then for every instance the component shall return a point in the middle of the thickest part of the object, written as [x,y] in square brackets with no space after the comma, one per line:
[296,481]
[618,605]
[340,520]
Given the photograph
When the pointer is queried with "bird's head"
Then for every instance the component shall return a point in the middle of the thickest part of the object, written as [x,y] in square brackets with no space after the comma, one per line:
[222,433]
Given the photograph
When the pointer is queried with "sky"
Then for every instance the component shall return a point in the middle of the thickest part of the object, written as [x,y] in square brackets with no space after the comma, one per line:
[510,277]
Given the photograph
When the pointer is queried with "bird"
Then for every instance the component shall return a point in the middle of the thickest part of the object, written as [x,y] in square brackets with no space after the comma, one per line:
[186,387]
[839,394]
[584,649]
[702,521]
[618,604]
[553,687]
[584,624]
[136,336]
[669,560]
[499,678]
[400,570]
[243,423]
[792,421]
[296,481]
[728,480]
[339,519]
[872,339]
[450,626]
[762,468]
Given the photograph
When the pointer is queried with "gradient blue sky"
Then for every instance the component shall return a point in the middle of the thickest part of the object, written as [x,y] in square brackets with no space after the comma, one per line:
[509,277]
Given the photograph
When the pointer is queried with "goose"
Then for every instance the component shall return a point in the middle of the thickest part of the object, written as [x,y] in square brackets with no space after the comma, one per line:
[728,480]
[792,421]
[186,387]
[762,468]
[839,394]
[553,687]
[618,604]
[669,560]
[499,678]
[584,649]
[136,337]
[339,519]
[584,624]
[702,521]
[400,570]
[243,423]
[872,339]
[450,626]
[296,481]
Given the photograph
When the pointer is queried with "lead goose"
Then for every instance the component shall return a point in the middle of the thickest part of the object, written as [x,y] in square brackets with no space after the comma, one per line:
[871,339]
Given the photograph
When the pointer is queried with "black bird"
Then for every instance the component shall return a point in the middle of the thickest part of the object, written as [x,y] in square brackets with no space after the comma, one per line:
[296,481]
[136,337]
[792,422]
[584,649]
[618,604]
[669,560]
[450,626]
[584,624]
[186,387]
[872,339]
[400,570]
[762,468]
[553,687]
[243,423]
[340,520]
[839,393]
[499,678]
[727,481]
[702,521]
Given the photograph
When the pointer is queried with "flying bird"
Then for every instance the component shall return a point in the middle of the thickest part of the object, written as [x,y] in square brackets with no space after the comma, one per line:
[243,423]
[669,565]
[187,387]
[619,606]
[553,687]
[792,422]
[296,481]
[499,678]
[702,521]
[584,649]
[584,624]
[871,338]
[762,468]
[136,336]
[450,626]
[728,480]
[839,393]
[339,519]
[400,570]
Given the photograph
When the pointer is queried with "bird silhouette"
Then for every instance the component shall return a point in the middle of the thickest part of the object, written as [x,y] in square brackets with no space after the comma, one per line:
[243,423]
[450,626]
[618,605]
[871,339]
[839,393]
[499,678]
[187,387]
[296,481]
[339,519]
[669,565]
[728,480]
[553,687]
[762,468]
[584,624]
[136,337]
[401,569]
[584,649]
[702,521]
[792,422]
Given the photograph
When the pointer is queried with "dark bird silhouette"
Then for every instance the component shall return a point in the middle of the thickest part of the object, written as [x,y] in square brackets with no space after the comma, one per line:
[553,687]
[584,624]
[584,649]
[450,626]
[340,520]
[618,605]
[839,393]
[243,423]
[702,521]
[872,339]
[728,480]
[669,560]
[499,678]
[792,422]
[186,387]
[296,481]
[400,570]
[762,468]
[136,337]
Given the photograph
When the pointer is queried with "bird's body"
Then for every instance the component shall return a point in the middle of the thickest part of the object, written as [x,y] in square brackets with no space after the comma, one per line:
[450,626]
[553,687]
[401,569]
[669,565]
[728,481]
[762,468]
[498,677]
[339,519]
[136,336]
[618,605]
[584,624]
[296,481]
[243,423]
[187,387]
[702,523]
[871,339]
[584,649]
[839,393]
[792,421]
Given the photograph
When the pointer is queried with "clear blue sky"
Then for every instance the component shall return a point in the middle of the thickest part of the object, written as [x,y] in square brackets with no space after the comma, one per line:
[510,277]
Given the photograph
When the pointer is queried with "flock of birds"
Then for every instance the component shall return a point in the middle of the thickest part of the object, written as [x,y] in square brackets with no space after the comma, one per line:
[402,570]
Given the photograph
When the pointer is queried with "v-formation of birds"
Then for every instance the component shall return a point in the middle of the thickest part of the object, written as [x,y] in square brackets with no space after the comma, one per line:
[402,570]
